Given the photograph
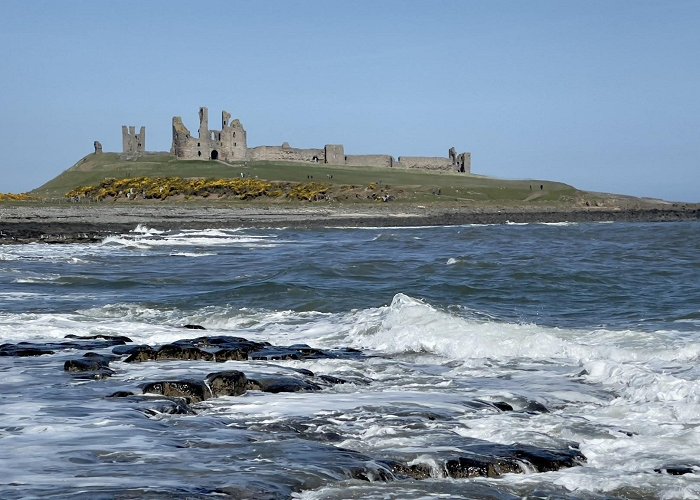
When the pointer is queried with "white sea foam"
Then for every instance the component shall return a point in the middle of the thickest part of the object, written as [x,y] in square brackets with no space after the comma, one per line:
[146,239]
[191,254]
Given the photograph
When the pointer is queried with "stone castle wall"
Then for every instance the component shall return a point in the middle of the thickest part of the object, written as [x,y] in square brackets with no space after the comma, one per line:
[286,153]
[227,144]
[426,162]
[230,144]
[369,161]
[334,154]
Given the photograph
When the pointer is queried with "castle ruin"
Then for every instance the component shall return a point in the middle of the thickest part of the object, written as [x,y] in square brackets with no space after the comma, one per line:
[133,144]
[229,144]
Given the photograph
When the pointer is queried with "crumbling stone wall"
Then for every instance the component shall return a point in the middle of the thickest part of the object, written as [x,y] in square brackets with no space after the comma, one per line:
[230,144]
[426,162]
[286,153]
[369,160]
[133,144]
[227,144]
[334,154]
[461,162]
[98,147]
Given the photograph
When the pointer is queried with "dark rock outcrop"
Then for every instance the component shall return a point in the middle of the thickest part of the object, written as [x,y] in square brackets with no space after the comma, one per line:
[277,384]
[24,349]
[193,391]
[228,383]
[494,460]
[92,365]
[676,469]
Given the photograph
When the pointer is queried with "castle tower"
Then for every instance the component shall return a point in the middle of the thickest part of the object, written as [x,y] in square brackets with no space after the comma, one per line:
[133,143]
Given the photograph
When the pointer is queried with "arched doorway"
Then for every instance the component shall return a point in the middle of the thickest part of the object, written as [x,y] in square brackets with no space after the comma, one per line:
[214,154]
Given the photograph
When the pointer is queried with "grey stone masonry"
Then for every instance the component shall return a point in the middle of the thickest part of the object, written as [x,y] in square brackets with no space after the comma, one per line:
[229,144]
[133,144]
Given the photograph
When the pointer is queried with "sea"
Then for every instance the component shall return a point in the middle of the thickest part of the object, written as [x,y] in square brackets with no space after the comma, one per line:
[452,339]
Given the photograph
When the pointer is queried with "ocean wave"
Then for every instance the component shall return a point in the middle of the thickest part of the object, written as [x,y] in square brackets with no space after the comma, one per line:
[146,238]
[610,358]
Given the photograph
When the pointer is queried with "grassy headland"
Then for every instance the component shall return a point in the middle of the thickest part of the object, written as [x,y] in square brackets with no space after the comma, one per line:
[160,173]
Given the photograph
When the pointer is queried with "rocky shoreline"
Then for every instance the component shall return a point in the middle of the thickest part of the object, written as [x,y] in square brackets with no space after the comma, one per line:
[92,223]
[183,397]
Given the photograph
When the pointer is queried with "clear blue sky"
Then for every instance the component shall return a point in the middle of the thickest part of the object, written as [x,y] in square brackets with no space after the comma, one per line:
[604,95]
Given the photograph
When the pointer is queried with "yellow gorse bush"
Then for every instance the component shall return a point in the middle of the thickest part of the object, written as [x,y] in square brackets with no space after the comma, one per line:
[160,188]
[15,197]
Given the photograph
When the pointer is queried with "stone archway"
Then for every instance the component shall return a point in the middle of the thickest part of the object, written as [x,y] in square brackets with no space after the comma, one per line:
[214,154]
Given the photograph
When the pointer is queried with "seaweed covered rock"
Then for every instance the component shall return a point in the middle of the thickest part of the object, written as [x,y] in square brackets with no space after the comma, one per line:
[228,383]
[180,352]
[494,460]
[193,391]
[280,383]
[24,349]
[91,365]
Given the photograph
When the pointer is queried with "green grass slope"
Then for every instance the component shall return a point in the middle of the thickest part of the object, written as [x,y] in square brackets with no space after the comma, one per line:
[414,185]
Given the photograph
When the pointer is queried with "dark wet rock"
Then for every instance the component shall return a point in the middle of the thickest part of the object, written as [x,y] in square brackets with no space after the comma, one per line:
[676,469]
[169,407]
[139,354]
[178,352]
[224,342]
[535,407]
[549,460]
[402,470]
[276,384]
[502,405]
[303,351]
[23,349]
[494,460]
[228,383]
[303,371]
[130,349]
[331,379]
[222,348]
[276,353]
[121,394]
[194,327]
[193,391]
[152,405]
[91,366]
[464,467]
[120,339]
[230,355]
[87,363]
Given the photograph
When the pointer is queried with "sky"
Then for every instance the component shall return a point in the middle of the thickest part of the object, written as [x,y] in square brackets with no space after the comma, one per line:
[603,95]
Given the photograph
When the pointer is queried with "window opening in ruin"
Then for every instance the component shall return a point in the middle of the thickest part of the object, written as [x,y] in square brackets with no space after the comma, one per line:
[214,154]
[198,144]
[234,144]
[315,159]
[199,153]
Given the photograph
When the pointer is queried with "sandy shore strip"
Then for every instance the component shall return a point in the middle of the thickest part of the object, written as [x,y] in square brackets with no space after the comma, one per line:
[86,223]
